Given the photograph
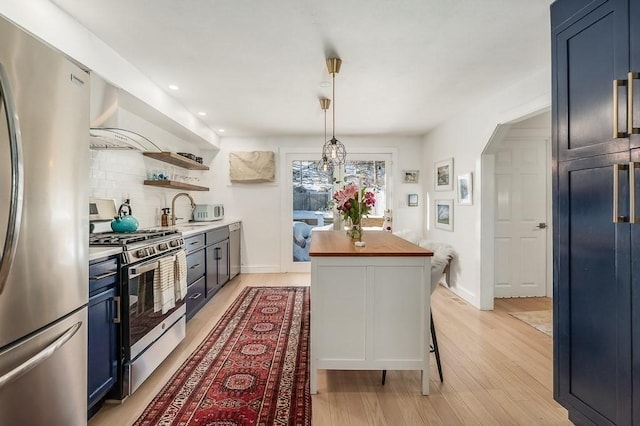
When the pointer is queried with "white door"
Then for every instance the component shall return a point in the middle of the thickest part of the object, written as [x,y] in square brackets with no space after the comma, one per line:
[520,218]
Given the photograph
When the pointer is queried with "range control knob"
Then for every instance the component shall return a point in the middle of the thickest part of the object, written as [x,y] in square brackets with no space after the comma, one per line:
[152,250]
[142,253]
[163,246]
[173,243]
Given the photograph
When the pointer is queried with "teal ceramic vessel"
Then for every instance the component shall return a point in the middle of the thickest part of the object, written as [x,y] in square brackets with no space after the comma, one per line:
[124,222]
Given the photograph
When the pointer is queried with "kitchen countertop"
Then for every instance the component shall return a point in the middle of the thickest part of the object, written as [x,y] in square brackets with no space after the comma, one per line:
[193,228]
[186,229]
[100,252]
[379,244]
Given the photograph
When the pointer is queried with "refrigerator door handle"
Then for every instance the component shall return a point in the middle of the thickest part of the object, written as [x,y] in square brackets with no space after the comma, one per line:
[40,357]
[17,187]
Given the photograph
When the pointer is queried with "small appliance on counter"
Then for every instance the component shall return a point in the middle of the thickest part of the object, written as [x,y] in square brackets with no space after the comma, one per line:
[208,212]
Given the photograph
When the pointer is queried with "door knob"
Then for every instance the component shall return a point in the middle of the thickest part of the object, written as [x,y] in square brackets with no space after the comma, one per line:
[541,225]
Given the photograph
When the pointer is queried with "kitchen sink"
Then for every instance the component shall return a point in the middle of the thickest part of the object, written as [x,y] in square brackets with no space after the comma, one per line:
[193,225]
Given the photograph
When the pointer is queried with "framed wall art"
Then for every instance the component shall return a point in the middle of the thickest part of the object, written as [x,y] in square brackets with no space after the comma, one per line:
[444,214]
[465,189]
[444,175]
[410,176]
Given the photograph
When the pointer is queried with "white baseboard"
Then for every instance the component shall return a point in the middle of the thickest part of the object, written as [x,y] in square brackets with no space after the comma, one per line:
[260,269]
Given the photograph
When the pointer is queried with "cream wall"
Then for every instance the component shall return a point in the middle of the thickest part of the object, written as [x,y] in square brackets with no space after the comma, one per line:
[464,138]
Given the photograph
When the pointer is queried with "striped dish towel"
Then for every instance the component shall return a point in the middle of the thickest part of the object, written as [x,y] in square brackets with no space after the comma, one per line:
[163,287]
[180,281]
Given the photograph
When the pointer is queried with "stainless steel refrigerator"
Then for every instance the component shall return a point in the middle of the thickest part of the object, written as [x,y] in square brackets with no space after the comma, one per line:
[44,226]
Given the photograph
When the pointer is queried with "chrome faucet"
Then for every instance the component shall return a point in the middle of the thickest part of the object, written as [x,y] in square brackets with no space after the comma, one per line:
[173,206]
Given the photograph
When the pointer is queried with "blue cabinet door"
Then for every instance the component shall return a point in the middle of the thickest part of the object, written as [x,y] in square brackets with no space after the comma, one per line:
[217,266]
[592,290]
[223,262]
[590,50]
[103,345]
[635,289]
[634,70]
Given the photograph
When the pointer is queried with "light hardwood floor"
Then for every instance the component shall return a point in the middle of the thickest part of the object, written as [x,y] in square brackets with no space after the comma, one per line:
[497,370]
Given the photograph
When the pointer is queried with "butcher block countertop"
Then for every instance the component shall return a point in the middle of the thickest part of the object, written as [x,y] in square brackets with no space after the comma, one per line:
[379,244]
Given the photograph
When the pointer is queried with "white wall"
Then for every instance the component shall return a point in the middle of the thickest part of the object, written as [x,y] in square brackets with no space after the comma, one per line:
[120,174]
[463,138]
[46,21]
[260,205]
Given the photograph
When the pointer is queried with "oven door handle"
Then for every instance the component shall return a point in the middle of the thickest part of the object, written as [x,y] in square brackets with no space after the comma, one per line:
[139,270]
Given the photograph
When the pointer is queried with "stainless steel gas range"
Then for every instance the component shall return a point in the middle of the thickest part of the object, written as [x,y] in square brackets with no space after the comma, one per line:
[149,331]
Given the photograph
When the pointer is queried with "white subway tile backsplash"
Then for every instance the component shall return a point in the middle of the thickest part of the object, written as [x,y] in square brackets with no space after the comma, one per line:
[120,174]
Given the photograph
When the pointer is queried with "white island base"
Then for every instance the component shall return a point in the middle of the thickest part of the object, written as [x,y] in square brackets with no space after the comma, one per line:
[369,305]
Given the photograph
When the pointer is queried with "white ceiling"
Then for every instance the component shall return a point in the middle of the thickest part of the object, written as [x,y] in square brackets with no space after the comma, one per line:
[256,66]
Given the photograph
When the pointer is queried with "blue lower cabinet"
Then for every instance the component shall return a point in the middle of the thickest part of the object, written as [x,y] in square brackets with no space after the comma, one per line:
[196,296]
[102,356]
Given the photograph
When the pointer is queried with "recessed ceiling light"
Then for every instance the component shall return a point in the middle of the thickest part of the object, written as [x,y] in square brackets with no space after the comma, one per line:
[325,84]
[221,130]
[202,113]
[174,87]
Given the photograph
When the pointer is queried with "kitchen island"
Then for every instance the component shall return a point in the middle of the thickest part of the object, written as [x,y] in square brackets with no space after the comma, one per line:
[369,305]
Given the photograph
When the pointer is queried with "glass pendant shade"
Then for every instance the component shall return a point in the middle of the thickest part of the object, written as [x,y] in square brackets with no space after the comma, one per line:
[325,166]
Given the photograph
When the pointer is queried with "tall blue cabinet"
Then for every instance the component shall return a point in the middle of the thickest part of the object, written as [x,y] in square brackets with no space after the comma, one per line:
[596,188]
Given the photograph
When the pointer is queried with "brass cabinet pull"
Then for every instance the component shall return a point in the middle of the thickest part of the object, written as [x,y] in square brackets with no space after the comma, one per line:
[632,192]
[630,129]
[616,86]
[616,192]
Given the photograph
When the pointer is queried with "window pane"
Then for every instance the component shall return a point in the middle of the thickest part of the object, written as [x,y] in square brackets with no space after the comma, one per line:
[312,193]
[371,174]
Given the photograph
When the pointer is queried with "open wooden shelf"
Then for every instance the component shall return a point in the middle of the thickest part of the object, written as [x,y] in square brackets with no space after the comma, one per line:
[176,160]
[172,184]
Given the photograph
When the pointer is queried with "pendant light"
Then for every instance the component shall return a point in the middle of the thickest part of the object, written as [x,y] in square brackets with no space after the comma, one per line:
[325,166]
[334,149]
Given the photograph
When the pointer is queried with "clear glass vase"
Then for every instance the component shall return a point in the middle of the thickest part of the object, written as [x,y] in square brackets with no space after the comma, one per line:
[355,232]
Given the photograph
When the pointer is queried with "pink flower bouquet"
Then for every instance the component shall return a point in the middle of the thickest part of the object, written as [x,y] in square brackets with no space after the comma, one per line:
[353,203]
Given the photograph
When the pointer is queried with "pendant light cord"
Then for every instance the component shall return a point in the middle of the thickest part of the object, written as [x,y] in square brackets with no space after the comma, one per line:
[325,124]
[333,108]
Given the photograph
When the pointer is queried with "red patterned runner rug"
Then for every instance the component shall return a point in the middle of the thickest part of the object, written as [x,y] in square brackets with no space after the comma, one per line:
[252,368]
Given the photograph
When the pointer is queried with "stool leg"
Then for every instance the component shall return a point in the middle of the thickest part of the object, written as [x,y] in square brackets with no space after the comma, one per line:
[435,349]
[384,376]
